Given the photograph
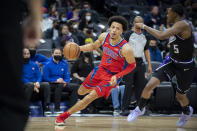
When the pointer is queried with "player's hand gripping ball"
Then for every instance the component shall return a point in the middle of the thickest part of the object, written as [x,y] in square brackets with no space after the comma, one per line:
[71,51]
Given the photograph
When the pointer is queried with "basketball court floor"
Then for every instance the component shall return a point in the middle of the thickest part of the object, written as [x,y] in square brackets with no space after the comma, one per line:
[110,123]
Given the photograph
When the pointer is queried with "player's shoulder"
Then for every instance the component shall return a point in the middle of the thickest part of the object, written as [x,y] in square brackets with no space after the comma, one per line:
[103,35]
[182,24]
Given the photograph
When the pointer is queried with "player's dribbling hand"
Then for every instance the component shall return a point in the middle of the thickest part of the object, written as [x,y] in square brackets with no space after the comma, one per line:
[113,81]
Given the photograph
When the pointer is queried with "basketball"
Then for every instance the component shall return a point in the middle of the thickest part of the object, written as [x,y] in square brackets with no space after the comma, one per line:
[71,51]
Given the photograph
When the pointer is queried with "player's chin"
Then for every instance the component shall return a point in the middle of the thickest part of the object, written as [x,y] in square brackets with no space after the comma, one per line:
[113,36]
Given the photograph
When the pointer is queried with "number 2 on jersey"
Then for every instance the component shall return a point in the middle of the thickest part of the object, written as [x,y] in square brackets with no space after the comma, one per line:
[176,49]
[109,60]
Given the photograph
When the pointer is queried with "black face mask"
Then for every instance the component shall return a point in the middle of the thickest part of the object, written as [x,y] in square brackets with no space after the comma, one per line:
[153,47]
[25,60]
[32,53]
[57,57]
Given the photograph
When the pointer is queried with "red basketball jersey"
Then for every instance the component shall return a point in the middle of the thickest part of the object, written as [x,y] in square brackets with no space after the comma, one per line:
[112,60]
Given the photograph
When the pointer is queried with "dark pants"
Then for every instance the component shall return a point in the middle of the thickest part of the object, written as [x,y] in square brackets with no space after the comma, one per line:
[134,84]
[59,88]
[44,92]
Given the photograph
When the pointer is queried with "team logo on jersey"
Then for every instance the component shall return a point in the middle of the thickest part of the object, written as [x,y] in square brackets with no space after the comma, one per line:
[62,69]
[33,68]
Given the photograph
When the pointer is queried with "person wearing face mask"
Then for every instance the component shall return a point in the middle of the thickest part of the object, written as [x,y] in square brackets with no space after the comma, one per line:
[74,25]
[135,81]
[86,20]
[32,82]
[56,72]
[87,8]
[155,53]
[37,58]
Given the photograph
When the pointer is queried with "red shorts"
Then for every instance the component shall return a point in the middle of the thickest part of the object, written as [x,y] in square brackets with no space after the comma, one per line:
[99,79]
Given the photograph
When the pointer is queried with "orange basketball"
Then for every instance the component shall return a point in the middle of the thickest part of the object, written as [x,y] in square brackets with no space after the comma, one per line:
[71,51]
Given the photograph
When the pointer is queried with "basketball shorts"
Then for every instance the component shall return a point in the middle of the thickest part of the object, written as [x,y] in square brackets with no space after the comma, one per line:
[184,73]
[99,80]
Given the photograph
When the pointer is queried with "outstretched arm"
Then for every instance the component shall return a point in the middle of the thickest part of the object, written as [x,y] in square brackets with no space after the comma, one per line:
[162,35]
[95,45]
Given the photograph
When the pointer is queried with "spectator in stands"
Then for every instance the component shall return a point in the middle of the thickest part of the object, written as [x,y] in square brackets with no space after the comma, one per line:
[75,31]
[117,104]
[32,81]
[37,58]
[82,67]
[56,72]
[87,8]
[155,53]
[54,14]
[63,19]
[85,20]
[193,13]
[65,35]
[74,14]
[47,22]
[153,19]
[52,33]
[90,38]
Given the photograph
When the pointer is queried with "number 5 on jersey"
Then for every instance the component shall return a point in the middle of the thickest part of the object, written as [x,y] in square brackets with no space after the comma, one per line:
[176,49]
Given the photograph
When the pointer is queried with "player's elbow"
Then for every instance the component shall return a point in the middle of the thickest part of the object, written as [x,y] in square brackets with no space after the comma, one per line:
[162,37]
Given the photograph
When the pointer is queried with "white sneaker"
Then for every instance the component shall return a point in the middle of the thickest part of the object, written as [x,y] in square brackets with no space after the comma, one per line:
[135,113]
[184,118]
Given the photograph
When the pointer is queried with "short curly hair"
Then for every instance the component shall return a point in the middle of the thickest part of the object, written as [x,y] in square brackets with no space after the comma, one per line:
[119,19]
[178,8]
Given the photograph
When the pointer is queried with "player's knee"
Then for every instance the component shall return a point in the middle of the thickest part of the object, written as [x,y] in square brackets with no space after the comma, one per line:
[80,92]
[180,97]
[148,87]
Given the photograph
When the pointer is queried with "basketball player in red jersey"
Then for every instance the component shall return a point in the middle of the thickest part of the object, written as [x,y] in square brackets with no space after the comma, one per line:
[117,61]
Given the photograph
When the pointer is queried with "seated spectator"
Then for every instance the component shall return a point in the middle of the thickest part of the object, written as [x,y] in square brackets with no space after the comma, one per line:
[65,33]
[90,38]
[56,72]
[31,79]
[87,8]
[82,67]
[155,53]
[53,13]
[153,19]
[52,33]
[86,20]
[37,58]
[74,14]
[75,31]
[115,99]
[63,19]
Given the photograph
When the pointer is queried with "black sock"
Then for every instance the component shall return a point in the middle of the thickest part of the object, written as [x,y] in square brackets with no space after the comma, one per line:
[142,103]
[186,110]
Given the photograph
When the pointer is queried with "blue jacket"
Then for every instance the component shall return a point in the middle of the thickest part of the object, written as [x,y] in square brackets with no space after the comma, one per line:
[155,55]
[53,71]
[31,73]
[40,58]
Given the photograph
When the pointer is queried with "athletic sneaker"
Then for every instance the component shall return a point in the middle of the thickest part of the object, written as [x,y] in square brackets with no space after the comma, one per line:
[184,118]
[60,121]
[135,113]
[116,112]
[61,118]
